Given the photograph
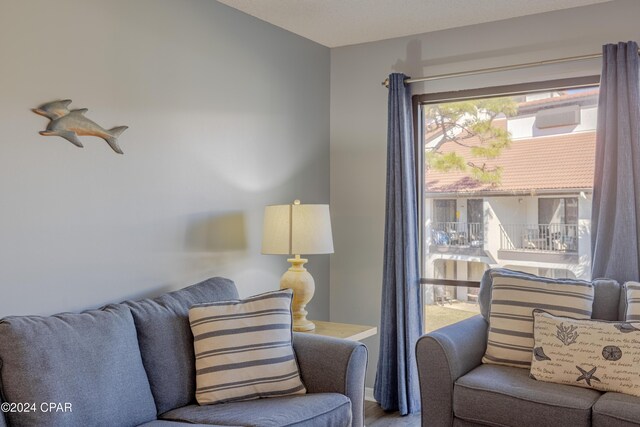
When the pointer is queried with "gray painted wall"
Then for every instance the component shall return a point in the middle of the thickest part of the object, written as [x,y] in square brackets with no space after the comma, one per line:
[227,114]
[359,119]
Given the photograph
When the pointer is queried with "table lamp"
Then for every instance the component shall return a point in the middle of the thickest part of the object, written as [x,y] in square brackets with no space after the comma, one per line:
[297,229]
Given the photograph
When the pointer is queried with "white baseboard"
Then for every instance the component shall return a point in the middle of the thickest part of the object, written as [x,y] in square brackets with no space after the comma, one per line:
[368,394]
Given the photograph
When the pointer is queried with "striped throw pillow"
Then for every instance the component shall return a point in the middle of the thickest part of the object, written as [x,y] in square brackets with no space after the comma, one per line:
[244,349]
[632,295]
[513,299]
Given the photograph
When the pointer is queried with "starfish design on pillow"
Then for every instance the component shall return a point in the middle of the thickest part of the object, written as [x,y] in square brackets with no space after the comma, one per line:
[587,376]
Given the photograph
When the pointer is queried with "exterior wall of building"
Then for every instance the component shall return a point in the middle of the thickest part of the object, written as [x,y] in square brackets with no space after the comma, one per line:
[498,211]
[443,262]
[530,261]
[524,126]
[583,269]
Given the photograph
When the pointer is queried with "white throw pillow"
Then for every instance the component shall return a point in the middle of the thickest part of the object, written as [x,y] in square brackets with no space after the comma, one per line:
[513,299]
[594,354]
[244,349]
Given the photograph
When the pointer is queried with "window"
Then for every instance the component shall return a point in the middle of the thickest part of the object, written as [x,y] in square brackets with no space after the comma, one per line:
[558,224]
[475,217]
[445,210]
[507,179]
[558,211]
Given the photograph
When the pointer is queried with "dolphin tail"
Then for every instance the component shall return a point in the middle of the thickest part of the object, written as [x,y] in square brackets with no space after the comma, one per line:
[112,139]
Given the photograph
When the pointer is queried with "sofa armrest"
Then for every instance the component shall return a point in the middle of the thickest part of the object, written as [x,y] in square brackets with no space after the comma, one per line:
[443,356]
[332,365]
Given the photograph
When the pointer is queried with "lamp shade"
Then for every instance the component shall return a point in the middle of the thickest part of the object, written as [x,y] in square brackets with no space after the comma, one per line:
[297,229]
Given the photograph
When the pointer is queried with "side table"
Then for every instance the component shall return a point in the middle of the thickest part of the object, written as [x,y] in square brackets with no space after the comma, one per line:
[345,331]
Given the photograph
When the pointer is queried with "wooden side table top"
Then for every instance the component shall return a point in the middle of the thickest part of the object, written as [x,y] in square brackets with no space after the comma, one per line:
[345,331]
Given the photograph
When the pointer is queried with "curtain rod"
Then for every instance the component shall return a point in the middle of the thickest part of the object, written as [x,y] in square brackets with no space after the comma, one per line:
[385,83]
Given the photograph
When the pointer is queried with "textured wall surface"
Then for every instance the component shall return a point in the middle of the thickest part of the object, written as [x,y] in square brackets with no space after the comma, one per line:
[359,119]
[226,114]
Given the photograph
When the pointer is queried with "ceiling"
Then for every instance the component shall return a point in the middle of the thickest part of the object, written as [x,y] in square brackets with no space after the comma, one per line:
[335,23]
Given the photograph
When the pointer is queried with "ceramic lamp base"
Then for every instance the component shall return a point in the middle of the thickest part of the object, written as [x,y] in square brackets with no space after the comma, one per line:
[300,281]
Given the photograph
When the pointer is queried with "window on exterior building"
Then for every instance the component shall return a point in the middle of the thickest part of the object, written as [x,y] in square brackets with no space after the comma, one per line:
[507,182]
[475,218]
[444,210]
[558,210]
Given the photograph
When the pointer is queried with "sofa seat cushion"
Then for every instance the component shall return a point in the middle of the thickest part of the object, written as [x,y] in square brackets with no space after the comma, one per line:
[166,342]
[616,409]
[164,423]
[89,360]
[457,422]
[499,395]
[310,410]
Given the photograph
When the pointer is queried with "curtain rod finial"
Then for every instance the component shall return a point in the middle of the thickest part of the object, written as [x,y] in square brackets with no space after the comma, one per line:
[385,83]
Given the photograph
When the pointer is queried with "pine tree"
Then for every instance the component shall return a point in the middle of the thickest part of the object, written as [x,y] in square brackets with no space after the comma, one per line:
[461,121]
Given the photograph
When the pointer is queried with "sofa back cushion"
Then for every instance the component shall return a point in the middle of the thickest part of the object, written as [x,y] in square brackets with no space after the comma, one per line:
[606,300]
[607,303]
[630,301]
[166,342]
[89,360]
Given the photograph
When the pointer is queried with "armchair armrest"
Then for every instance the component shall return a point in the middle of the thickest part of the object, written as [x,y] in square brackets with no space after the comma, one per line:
[443,356]
[332,365]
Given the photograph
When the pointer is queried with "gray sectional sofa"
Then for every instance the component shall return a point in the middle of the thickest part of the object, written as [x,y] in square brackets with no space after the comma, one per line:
[132,364]
[458,390]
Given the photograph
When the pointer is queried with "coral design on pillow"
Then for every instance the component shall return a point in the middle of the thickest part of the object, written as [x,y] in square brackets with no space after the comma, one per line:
[567,335]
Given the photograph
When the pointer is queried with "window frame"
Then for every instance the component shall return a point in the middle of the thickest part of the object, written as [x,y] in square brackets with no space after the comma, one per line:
[420,100]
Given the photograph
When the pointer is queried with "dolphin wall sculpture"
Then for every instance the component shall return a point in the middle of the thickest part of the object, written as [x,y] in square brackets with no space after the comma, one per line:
[69,124]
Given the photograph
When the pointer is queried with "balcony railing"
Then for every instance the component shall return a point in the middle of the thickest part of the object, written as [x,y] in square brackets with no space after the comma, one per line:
[539,237]
[462,234]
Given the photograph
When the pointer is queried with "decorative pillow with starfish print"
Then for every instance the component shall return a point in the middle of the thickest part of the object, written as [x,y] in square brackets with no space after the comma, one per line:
[594,354]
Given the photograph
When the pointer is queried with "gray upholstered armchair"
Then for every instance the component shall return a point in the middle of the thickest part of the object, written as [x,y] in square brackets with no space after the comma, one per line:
[457,389]
[443,356]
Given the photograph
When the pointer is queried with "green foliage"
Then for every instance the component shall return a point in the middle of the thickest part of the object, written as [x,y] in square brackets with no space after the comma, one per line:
[487,176]
[446,162]
[463,120]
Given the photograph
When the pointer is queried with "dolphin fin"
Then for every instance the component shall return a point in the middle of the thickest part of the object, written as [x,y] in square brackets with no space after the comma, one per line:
[80,110]
[112,139]
[68,135]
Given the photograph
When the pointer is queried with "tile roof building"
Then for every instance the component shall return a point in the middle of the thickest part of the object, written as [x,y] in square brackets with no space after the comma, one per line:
[539,165]
[552,161]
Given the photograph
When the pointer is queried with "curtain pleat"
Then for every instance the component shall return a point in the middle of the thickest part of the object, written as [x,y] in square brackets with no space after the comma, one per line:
[396,386]
[615,215]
